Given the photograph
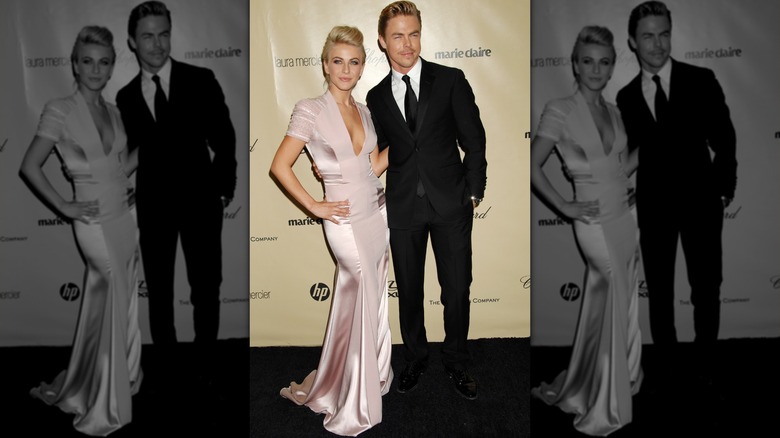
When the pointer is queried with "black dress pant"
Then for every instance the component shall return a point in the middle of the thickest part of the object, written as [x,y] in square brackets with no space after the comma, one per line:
[198,222]
[451,243]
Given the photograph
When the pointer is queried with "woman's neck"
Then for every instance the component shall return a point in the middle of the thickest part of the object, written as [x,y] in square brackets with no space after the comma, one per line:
[340,96]
[92,97]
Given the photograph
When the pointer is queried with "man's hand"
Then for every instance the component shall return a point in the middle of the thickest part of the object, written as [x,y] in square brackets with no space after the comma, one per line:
[726,201]
[226,201]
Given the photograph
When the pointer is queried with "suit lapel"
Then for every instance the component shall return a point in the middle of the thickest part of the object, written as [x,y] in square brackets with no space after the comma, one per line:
[426,88]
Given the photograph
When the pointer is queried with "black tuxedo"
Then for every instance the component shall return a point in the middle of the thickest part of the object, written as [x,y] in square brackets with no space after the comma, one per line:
[678,193]
[447,118]
[178,192]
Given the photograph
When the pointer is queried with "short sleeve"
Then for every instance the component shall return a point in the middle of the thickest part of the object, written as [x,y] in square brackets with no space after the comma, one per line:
[52,122]
[302,120]
[552,122]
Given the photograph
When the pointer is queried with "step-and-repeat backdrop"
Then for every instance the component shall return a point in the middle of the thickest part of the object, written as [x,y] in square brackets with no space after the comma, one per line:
[733,39]
[292,271]
[41,270]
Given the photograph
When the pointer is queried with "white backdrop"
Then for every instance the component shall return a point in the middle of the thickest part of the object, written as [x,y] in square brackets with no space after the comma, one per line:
[292,272]
[40,267]
[734,39]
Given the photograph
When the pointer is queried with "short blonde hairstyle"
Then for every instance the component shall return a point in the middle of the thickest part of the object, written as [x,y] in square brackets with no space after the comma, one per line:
[342,35]
[91,35]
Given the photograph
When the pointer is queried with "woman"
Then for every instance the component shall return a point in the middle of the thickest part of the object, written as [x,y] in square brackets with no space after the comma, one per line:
[354,369]
[87,132]
[587,132]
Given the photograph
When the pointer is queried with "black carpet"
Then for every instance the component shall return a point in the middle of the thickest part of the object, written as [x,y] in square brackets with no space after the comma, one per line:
[741,402]
[183,402]
[433,409]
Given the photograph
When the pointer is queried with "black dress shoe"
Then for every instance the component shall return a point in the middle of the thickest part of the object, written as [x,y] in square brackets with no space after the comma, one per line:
[410,375]
[464,384]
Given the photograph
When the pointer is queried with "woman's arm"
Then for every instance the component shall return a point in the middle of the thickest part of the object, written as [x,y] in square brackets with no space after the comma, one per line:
[281,168]
[32,173]
[129,160]
[630,160]
[541,148]
[379,161]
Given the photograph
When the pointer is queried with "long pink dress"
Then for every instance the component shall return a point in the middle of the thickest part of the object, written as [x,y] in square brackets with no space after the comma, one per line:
[105,364]
[604,370]
[354,371]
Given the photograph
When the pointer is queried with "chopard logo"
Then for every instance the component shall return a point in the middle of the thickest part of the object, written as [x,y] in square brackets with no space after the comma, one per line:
[252,146]
[525,281]
[2,146]
[483,215]
[732,215]
[570,292]
[233,214]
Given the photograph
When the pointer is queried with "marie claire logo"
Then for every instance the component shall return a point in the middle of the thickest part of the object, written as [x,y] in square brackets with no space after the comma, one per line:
[392,289]
[12,238]
[558,221]
[706,53]
[456,53]
[306,221]
[70,292]
[570,292]
[260,295]
[10,295]
[319,292]
[52,222]
[221,52]
[263,238]
[775,282]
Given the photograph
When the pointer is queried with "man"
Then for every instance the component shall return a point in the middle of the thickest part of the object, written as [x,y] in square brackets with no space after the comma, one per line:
[430,190]
[174,113]
[681,190]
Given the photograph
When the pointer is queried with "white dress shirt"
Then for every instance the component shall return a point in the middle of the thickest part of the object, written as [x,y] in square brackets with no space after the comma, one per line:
[148,87]
[399,86]
[648,85]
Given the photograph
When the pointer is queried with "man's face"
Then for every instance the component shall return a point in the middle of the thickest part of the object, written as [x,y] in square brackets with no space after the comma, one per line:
[652,42]
[152,42]
[401,41]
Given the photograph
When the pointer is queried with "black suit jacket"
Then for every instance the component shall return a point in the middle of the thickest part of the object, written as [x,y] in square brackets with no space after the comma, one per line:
[175,162]
[447,117]
[676,169]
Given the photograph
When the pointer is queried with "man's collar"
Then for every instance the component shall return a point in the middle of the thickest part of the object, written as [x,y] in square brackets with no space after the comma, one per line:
[164,73]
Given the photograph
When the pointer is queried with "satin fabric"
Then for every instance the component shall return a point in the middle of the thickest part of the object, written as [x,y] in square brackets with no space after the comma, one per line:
[604,369]
[354,370]
[105,364]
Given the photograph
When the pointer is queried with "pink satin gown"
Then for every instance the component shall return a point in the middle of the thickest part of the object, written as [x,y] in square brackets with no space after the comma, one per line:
[354,371]
[604,369]
[105,363]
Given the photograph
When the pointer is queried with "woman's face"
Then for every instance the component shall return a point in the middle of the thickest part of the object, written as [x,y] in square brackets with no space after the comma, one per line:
[94,65]
[594,66]
[344,66]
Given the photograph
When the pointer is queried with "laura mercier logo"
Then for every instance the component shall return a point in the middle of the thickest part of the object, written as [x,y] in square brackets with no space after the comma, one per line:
[319,292]
[570,292]
[261,295]
[69,292]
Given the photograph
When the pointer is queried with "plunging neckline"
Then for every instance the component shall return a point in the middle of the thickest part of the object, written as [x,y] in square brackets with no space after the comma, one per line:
[596,126]
[344,124]
[106,153]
